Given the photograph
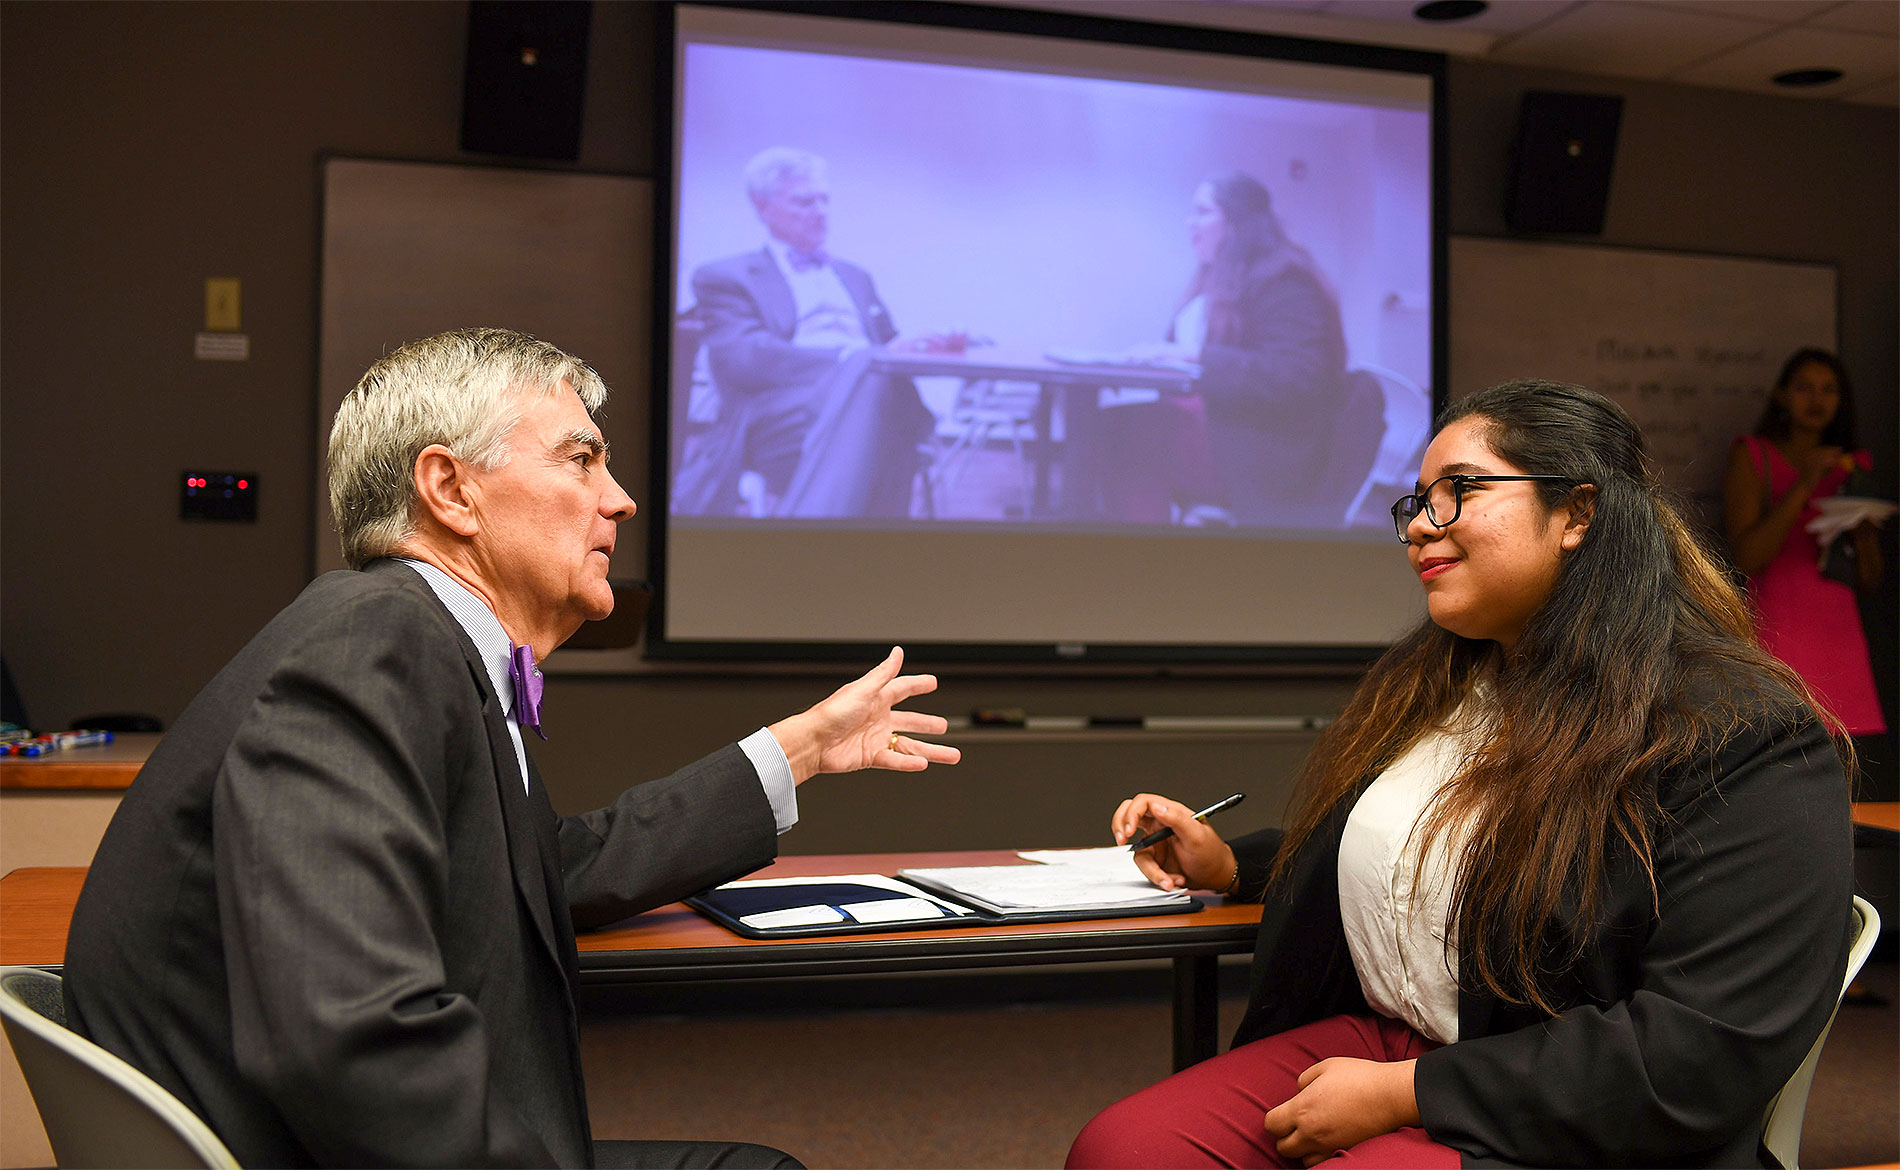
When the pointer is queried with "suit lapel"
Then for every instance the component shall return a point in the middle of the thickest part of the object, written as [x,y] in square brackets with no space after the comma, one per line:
[877,325]
[541,811]
[775,296]
[527,857]
[547,836]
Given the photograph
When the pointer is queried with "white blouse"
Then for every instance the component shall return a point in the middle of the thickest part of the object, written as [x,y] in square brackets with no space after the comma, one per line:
[1394,903]
[1190,325]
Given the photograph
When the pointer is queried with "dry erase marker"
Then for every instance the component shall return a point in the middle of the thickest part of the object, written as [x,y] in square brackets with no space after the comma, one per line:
[1163,833]
[65,739]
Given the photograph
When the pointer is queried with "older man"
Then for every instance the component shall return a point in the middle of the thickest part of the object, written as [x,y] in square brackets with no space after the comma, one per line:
[335,914]
[803,428]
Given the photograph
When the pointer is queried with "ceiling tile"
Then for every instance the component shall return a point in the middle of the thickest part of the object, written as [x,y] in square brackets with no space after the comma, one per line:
[1863,59]
[1886,93]
[1281,5]
[1514,16]
[1874,16]
[1760,11]
[1625,40]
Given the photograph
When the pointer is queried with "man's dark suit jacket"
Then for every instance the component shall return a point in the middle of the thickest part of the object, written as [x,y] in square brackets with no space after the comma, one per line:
[1679,1027]
[860,429]
[751,317]
[328,917]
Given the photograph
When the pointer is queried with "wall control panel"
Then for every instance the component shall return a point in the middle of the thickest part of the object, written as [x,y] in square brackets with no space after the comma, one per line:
[217,495]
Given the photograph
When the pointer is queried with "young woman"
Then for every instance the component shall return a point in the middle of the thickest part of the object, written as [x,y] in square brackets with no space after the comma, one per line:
[1568,880]
[1802,450]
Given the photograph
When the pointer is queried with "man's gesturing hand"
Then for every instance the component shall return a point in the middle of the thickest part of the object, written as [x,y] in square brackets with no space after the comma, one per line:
[858,726]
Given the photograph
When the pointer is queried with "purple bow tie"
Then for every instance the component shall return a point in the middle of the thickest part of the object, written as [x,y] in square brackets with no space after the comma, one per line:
[527,688]
[806,261]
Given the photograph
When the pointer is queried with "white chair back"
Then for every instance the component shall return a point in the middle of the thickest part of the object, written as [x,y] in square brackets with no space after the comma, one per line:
[98,1110]
[1785,1113]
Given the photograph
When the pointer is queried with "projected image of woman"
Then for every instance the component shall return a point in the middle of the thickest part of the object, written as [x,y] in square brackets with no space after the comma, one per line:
[1263,325]
[1567,883]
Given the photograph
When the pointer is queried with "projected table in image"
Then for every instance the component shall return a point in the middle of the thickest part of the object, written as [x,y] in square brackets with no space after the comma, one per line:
[1074,386]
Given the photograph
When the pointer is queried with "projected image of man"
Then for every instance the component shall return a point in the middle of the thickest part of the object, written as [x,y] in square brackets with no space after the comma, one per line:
[802,428]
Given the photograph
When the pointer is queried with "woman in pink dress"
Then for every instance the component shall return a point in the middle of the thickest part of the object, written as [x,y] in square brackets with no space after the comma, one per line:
[1802,450]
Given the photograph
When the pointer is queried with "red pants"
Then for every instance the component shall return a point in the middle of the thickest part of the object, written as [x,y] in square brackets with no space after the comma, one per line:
[1213,1114]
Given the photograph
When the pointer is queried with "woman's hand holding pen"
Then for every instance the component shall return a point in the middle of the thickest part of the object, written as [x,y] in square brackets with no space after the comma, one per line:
[1195,858]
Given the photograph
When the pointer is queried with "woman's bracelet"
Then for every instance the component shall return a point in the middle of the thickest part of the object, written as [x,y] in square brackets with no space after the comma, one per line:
[1233,883]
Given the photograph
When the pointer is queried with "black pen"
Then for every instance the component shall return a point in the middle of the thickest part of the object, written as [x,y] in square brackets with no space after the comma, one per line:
[1163,833]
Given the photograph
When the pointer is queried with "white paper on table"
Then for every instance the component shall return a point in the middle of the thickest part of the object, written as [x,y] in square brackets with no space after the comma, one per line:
[1038,888]
[793,916]
[1109,860]
[900,909]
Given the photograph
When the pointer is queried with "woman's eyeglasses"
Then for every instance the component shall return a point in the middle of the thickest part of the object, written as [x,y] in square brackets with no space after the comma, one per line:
[1443,500]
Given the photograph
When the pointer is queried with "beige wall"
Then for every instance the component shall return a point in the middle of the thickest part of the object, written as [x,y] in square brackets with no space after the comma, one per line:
[149,146]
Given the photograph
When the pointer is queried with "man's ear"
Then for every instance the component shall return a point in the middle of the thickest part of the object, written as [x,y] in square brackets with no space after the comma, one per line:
[444,487]
[1578,512]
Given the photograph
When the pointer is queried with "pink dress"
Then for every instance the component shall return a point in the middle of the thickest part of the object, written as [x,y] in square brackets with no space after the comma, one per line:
[1808,621]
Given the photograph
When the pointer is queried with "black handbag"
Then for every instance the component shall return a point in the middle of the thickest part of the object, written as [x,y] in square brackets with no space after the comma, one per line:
[1840,562]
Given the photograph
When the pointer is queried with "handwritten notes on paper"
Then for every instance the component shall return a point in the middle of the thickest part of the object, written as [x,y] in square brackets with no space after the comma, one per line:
[1688,344]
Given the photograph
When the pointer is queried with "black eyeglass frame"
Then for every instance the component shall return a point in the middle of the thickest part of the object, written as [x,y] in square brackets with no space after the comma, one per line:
[1423,502]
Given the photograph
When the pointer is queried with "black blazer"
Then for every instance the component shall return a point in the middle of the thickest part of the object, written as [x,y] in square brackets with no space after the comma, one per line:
[1678,1027]
[330,920]
[858,433]
[750,319]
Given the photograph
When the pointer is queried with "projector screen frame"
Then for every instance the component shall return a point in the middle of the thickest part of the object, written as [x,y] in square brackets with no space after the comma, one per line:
[1061,26]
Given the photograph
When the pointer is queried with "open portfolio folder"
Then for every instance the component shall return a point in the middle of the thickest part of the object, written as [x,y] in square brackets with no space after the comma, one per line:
[1067,884]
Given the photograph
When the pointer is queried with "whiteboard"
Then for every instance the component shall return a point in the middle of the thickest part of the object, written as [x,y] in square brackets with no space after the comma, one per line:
[1688,344]
[413,249]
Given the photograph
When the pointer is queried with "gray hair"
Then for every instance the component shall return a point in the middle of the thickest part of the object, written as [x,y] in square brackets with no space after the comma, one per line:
[775,166]
[458,389]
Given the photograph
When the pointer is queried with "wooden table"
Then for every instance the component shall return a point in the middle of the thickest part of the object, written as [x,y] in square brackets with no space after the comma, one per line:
[95,766]
[1878,814]
[675,944]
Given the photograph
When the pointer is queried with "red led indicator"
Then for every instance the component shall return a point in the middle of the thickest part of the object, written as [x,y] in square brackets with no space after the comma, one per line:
[244,483]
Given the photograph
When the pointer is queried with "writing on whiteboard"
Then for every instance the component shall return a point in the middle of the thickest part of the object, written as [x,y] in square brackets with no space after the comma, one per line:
[1687,344]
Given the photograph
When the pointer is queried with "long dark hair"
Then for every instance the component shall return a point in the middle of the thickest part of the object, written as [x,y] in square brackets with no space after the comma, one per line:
[1592,703]
[1253,245]
[1774,422]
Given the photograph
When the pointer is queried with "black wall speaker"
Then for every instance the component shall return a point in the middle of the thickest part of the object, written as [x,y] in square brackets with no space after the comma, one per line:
[1561,162]
[526,77]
